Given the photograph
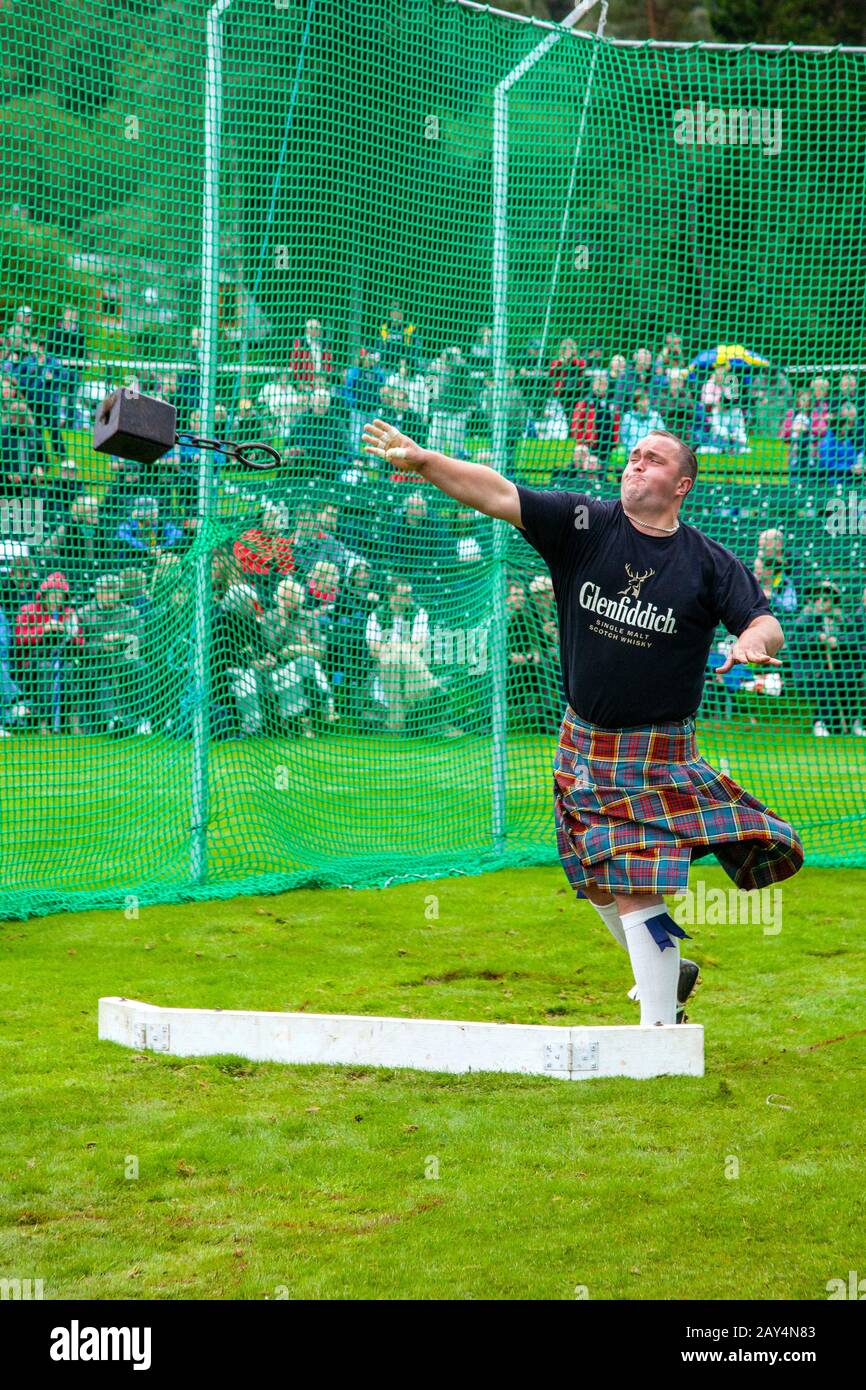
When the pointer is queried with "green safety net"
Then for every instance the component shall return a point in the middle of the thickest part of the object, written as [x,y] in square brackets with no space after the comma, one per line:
[380,688]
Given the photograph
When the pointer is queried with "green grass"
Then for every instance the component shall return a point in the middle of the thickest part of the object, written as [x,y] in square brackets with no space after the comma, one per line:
[100,816]
[259,1181]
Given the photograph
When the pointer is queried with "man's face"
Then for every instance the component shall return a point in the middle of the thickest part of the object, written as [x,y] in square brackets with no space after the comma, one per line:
[400,598]
[643,359]
[314,328]
[652,475]
[108,595]
[771,545]
[517,597]
[53,598]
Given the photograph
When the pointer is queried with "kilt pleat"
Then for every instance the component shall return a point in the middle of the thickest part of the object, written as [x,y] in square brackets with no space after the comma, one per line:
[634,807]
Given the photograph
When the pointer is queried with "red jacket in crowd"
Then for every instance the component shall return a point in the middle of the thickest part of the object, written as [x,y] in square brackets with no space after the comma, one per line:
[303,366]
[258,553]
[583,429]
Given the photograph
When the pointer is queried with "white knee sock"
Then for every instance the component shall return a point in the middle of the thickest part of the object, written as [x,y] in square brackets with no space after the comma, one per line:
[656,972]
[610,916]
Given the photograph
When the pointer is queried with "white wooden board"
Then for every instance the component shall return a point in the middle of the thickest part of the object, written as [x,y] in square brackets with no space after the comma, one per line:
[425,1044]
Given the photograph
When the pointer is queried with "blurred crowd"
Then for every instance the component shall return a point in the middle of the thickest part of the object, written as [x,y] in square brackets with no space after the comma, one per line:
[366,610]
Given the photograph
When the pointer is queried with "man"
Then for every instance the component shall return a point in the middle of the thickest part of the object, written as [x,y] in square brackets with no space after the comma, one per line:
[311,359]
[638,422]
[639,595]
[111,676]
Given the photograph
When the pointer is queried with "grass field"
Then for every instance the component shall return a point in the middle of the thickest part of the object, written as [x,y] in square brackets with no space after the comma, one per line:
[142,1176]
[99,816]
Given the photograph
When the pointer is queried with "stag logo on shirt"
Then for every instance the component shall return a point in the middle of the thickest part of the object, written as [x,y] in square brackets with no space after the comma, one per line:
[632,588]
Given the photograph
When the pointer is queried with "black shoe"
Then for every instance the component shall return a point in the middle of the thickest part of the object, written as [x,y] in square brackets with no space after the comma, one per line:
[689,972]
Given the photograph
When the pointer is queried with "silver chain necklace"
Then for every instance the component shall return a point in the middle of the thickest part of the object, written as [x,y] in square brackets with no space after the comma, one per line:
[650,524]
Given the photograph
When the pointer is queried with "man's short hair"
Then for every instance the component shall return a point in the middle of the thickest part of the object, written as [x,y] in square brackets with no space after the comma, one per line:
[686,454]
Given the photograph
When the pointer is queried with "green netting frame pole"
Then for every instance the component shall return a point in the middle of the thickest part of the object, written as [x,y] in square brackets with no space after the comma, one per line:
[210,262]
[572,182]
[499,411]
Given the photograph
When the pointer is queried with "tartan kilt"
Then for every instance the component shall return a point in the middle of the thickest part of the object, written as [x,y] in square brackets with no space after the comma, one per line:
[634,807]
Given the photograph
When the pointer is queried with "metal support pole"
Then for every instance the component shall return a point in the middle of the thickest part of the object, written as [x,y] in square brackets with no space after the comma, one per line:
[500,410]
[566,213]
[210,266]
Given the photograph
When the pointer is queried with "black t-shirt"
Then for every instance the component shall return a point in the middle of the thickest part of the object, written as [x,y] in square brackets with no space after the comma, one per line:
[637,614]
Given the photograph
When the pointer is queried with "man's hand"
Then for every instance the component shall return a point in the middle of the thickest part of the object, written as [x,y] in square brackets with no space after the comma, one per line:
[386,442]
[751,651]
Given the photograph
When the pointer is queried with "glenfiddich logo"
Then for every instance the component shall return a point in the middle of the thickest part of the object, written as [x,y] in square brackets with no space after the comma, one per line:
[635,581]
[627,609]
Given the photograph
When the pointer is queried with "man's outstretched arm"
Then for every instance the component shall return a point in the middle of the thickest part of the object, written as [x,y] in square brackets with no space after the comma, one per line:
[757,645]
[474,484]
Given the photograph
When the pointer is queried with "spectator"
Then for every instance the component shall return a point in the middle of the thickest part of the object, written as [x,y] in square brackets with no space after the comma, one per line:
[837,452]
[481,352]
[566,375]
[11,708]
[553,423]
[796,430]
[167,645]
[727,423]
[769,396]
[671,358]
[349,660]
[849,394]
[61,493]
[311,359]
[398,339]
[413,384]
[772,573]
[304,693]
[362,394]
[417,542]
[676,405]
[572,476]
[638,422]
[264,555]
[145,535]
[820,389]
[451,408]
[396,407]
[516,413]
[111,673]
[529,695]
[617,382]
[321,439]
[823,658]
[550,695]
[639,376]
[283,403]
[47,634]
[242,666]
[22,446]
[713,389]
[858,645]
[40,386]
[532,378]
[187,395]
[67,343]
[594,359]
[75,547]
[595,422]
[398,637]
